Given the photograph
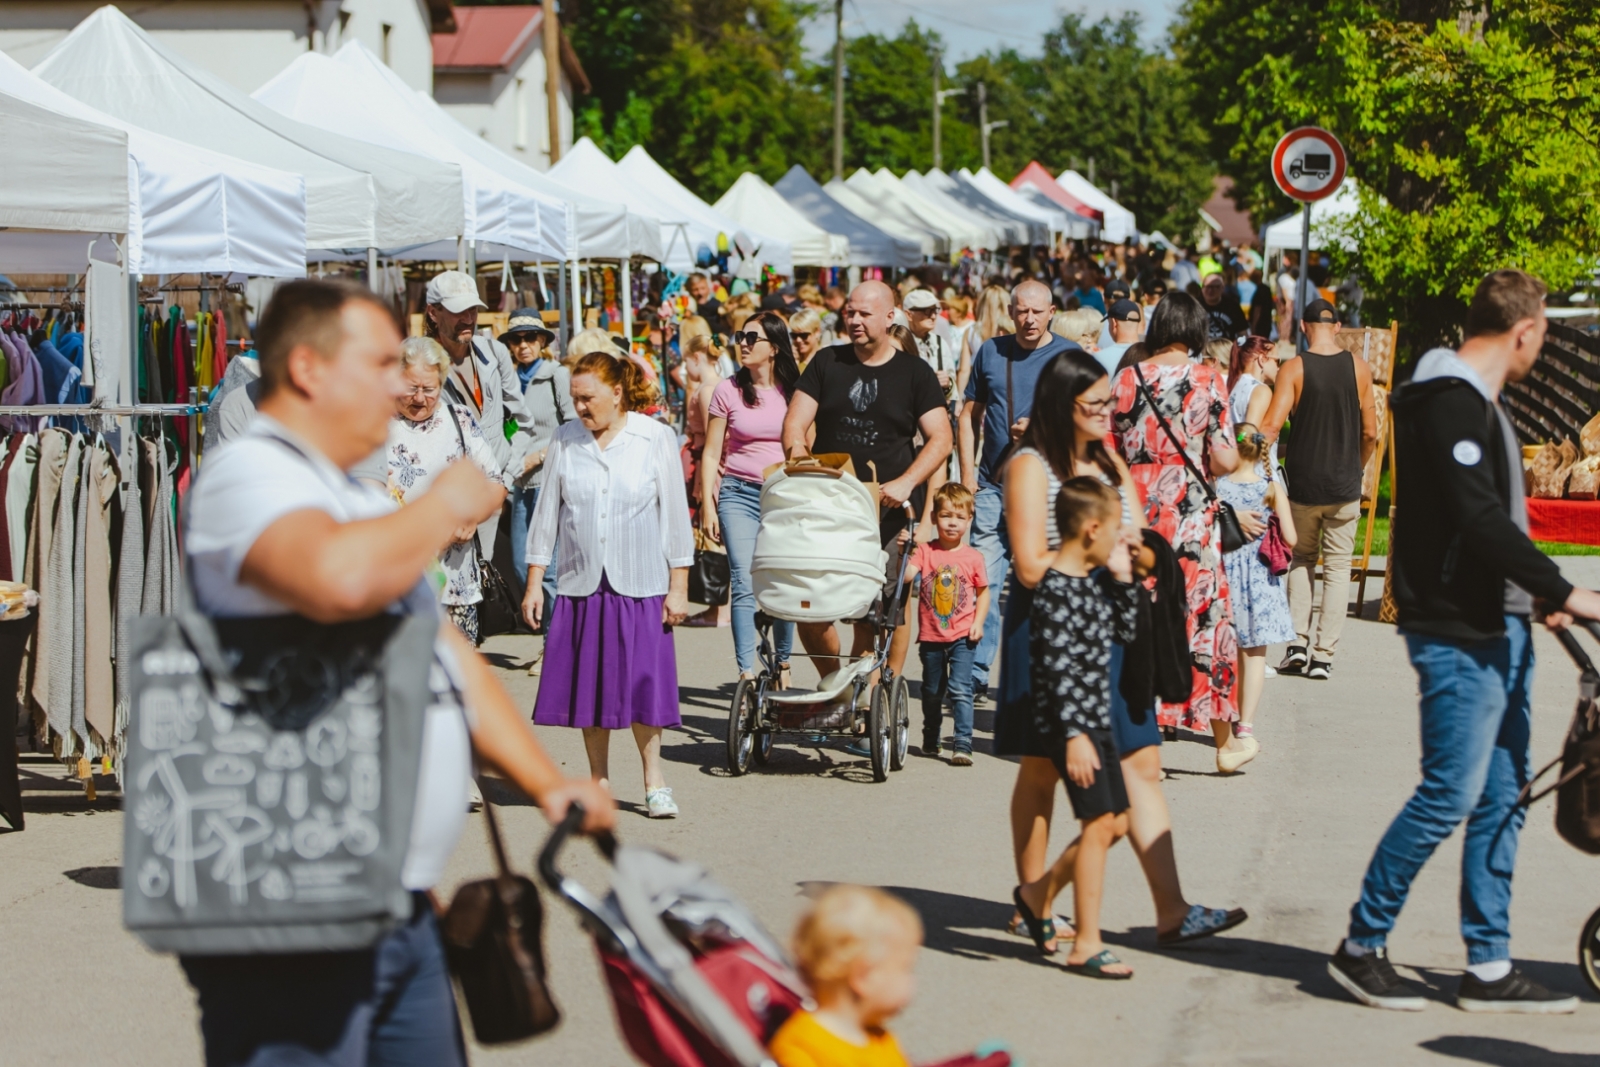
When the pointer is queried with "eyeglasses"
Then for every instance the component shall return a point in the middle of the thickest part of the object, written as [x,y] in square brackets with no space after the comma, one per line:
[1096,407]
[423,391]
[804,335]
[749,338]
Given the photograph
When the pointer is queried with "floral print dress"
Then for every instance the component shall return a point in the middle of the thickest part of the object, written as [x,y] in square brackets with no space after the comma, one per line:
[1194,400]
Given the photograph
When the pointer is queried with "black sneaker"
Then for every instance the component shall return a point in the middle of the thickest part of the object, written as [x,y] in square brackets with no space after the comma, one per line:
[1516,993]
[980,694]
[1294,660]
[1319,670]
[930,746]
[1372,981]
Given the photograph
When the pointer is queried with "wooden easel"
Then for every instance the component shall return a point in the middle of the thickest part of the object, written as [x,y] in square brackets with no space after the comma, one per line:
[1377,347]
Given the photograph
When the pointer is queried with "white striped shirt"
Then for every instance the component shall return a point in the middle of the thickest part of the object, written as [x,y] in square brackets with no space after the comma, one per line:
[622,512]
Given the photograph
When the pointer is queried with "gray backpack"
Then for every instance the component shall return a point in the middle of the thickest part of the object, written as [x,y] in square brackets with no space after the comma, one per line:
[271,776]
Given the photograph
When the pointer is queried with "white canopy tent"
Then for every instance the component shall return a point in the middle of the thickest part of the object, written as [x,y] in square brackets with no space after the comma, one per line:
[358,196]
[750,201]
[346,99]
[986,185]
[584,166]
[1009,229]
[1119,225]
[80,186]
[185,209]
[870,246]
[887,213]
[639,167]
[964,230]
[1326,217]
[1076,225]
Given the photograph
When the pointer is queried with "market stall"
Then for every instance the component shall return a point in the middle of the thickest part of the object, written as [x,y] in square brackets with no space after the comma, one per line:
[1009,228]
[1118,223]
[750,200]
[964,230]
[870,246]
[637,166]
[890,215]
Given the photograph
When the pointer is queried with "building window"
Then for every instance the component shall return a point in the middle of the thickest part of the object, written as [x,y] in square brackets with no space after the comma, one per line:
[388,32]
[522,115]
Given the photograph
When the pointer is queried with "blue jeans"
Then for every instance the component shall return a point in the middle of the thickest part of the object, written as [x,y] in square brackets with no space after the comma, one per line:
[739,512]
[523,501]
[947,671]
[388,1006]
[989,538]
[1475,760]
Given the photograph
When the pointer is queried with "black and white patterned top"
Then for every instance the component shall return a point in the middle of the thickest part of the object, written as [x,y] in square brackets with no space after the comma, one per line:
[1071,626]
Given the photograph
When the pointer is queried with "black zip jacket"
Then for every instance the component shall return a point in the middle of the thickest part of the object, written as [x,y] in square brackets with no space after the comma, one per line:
[1454,545]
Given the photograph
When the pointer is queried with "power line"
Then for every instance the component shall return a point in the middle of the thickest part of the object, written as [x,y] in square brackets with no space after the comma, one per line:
[921,11]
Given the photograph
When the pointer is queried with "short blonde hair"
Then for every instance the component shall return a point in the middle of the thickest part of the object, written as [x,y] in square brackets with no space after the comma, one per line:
[957,496]
[594,339]
[1218,353]
[810,295]
[848,923]
[1081,325]
[692,327]
[805,321]
[424,352]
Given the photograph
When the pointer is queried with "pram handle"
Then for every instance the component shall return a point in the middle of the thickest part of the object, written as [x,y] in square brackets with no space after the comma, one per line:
[559,836]
[1570,642]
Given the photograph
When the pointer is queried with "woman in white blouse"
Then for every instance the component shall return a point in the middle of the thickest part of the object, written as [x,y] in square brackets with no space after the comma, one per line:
[613,488]
[425,437]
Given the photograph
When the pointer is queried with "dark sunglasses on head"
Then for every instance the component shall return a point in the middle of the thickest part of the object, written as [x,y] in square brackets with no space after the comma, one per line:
[749,337]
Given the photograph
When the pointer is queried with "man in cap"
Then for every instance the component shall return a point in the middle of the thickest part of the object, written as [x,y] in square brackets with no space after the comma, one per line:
[547,394]
[1125,321]
[1328,392]
[482,379]
[1226,316]
[935,344]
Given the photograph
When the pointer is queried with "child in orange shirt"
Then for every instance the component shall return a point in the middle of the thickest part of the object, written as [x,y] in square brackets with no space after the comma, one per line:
[857,948]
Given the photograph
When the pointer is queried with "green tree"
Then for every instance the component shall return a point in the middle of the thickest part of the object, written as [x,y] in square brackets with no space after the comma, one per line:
[888,103]
[1474,129]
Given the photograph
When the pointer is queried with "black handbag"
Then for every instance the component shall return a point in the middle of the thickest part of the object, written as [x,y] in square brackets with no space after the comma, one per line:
[500,610]
[493,938]
[1233,537]
[1577,789]
[710,578]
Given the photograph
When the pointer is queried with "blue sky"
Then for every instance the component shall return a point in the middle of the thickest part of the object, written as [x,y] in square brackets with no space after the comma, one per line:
[972,26]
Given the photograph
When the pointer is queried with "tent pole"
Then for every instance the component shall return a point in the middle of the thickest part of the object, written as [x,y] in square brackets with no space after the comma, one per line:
[563,335]
[461,254]
[627,301]
[577,299]
[372,268]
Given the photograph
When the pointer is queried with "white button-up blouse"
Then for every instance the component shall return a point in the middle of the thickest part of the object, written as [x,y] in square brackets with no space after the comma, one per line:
[622,512]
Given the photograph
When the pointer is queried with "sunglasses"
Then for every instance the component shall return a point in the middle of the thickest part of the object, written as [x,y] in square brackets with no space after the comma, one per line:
[749,338]
[802,335]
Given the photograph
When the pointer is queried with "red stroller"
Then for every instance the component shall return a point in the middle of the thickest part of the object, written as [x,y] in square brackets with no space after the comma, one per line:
[695,979]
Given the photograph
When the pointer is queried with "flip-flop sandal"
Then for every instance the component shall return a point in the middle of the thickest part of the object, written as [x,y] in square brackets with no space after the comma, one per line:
[1040,930]
[1065,931]
[1202,922]
[1095,967]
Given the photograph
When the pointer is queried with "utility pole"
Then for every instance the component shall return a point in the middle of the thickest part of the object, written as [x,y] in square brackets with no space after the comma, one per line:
[838,89]
[984,125]
[552,79]
[1091,170]
[939,96]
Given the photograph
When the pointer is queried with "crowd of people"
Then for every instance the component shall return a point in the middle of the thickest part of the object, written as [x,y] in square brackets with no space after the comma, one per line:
[1087,481]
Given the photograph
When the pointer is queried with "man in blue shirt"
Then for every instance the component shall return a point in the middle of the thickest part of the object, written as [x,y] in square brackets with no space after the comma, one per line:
[999,396]
[1125,322]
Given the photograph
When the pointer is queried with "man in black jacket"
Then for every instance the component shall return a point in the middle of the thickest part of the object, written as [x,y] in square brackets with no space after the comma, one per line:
[1466,577]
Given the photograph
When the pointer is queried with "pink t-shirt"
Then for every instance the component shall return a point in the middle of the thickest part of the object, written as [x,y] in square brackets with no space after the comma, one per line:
[951,582]
[754,438]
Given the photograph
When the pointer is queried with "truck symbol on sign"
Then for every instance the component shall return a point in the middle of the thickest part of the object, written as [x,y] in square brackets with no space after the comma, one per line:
[1312,164]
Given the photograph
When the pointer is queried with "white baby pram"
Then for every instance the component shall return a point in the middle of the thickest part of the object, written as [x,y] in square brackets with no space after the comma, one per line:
[818,558]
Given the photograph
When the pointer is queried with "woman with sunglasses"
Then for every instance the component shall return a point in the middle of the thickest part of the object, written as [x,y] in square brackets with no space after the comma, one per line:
[1065,439]
[744,436]
[805,330]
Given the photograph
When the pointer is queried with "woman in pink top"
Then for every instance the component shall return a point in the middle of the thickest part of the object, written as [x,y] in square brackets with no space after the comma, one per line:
[744,430]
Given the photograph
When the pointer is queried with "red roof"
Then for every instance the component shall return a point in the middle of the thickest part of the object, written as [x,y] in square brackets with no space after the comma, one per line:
[1236,227]
[1035,175]
[487,38]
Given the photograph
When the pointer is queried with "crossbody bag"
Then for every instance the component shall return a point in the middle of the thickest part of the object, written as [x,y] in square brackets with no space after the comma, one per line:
[1233,537]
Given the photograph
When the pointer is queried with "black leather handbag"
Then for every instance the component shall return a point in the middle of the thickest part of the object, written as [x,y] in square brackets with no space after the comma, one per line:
[493,938]
[710,578]
[1577,789]
[1233,537]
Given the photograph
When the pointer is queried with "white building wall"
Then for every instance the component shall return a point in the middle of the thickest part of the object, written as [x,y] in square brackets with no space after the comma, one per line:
[245,42]
[508,109]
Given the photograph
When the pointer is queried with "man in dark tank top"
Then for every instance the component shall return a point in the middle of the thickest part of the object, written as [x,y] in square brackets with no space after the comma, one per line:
[1328,394]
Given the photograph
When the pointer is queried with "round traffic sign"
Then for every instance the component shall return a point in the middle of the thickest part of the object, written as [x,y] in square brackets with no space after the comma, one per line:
[1308,163]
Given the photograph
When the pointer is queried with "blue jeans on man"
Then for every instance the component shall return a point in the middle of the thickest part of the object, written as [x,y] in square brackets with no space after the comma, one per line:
[739,513]
[947,672]
[1475,761]
[523,501]
[988,536]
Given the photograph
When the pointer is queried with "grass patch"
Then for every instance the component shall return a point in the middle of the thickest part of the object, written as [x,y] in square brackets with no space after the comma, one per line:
[1380,541]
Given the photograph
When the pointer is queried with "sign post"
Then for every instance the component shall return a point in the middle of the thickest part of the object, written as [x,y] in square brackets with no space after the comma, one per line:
[1308,164]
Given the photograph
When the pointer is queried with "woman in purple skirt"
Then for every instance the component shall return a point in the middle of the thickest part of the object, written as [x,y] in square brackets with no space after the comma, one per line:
[613,488]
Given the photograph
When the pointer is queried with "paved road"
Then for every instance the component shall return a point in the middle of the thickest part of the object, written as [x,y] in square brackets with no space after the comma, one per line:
[1287,839]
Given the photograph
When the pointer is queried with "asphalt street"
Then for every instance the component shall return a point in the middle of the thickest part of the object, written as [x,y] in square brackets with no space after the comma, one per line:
[1287,839]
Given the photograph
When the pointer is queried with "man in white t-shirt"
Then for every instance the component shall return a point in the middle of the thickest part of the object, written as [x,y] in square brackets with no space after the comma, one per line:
[276,527]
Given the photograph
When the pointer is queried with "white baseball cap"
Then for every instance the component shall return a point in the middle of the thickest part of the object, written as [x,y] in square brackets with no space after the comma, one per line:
[455,291]
[920,300]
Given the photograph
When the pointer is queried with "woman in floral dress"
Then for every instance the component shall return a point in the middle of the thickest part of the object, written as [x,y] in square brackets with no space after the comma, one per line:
[1194,400]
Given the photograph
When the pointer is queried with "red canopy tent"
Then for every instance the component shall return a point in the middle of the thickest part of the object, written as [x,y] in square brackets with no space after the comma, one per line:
[1035,175]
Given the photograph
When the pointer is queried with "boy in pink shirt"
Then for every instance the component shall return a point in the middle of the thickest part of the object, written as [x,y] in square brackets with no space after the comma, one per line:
[954,600]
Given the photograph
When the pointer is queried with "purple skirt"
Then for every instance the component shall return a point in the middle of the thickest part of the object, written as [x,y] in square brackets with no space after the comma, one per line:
[608,662]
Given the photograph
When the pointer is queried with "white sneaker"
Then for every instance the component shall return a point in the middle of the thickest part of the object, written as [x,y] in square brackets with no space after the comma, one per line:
[660,803]
[1272,672]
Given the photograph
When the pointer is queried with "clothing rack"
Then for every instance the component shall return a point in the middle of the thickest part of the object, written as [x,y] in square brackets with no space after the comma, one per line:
[192,411]
[60,305]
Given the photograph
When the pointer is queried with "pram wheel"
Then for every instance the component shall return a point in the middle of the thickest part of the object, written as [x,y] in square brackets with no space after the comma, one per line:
[761,751]
[1589,952]
[899,723]
[878,742]
[743,716]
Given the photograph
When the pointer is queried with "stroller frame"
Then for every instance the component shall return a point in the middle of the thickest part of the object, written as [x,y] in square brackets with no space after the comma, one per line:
[759,711]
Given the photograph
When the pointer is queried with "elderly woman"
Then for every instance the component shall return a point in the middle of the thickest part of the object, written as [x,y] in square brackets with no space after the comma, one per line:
[613,487]
[426,436]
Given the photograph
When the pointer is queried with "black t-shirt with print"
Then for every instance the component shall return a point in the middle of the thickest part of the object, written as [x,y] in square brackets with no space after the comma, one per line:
[870,412]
